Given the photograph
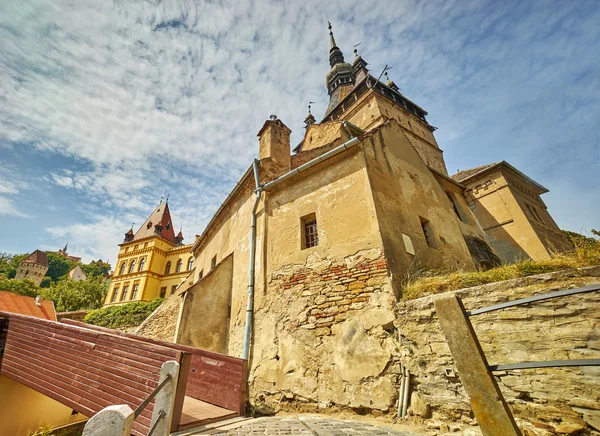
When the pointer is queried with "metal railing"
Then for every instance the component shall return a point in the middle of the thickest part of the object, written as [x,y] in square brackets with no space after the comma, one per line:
[147,401]
[488,403]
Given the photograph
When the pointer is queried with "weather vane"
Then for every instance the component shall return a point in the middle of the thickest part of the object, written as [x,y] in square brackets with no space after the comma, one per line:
[355,49]
[309,103]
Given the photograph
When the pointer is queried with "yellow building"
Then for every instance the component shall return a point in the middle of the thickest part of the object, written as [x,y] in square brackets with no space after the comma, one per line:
[151,263]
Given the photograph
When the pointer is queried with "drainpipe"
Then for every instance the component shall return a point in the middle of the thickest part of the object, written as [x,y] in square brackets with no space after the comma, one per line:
[259,189]
[250,306]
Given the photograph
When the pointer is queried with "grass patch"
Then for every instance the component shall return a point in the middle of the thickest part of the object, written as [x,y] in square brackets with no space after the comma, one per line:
[430,282]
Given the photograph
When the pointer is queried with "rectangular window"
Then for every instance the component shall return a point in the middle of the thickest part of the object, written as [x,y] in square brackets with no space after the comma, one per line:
[428,232]
[163,292]
[310,233]
[125,290]
[173,288]
[115,293]
[200,274]
[134,291]
[213,262]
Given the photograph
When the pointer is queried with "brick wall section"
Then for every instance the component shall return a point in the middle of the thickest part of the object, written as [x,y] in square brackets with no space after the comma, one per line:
[337,291]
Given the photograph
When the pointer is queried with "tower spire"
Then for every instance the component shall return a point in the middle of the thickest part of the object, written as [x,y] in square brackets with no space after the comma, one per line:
[310,119]
[335,54]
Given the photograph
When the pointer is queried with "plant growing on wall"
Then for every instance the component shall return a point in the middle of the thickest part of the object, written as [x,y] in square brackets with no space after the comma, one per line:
[129,314]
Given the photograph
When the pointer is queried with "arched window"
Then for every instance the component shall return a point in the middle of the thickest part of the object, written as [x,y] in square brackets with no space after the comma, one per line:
[142,263]
[132,266]
[168,267]
[179,265]
[122,270]
[190,263]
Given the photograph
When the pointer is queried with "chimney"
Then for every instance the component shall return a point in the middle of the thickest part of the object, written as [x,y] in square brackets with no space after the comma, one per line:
[274,147]
[38,300]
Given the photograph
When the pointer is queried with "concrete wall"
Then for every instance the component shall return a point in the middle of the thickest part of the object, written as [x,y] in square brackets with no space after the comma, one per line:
[205,314]
[545,401]
[27,410]
[404,190]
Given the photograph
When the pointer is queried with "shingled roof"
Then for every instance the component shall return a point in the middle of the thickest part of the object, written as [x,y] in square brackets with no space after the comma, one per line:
[465,174]
[15,303]
[162,217]
[38,257]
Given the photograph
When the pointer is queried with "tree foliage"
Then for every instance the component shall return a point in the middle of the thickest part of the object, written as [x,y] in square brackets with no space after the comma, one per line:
[21,287]
[128,314]
[58,266]
[96,268]
[69,295]
[9,264]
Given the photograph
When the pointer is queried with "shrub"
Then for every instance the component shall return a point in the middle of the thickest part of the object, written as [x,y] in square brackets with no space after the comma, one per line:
[128,314]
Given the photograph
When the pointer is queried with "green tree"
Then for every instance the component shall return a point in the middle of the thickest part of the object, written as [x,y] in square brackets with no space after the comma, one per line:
[96,268]
[21,287]
[69,295]
[9,264]
[58,266]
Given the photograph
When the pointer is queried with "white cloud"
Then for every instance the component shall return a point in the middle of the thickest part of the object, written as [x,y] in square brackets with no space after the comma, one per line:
[152,98]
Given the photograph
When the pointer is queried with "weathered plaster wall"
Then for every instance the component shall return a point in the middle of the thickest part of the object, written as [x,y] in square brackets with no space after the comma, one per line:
[546,401]
[322,339]
[404,190]
[27,410]
[372,109]
[205,313]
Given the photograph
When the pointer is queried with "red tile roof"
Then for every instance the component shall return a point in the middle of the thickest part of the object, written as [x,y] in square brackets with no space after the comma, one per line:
[15,303]
[38,257]
[161,216]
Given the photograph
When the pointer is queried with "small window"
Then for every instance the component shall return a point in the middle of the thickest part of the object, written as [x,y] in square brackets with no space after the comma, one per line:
[173,289]
[134,291]
[125,290]
[122,270]
[132,266]
[168,267]
[428,232]
[213,262]
[190,263]
[163,292]
[179,265]
[27,272]
[114,295]
[135,247]
[200,274]
[310,232]
[142,263]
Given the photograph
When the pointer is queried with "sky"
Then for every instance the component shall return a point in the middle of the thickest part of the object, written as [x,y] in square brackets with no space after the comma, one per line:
[107,106]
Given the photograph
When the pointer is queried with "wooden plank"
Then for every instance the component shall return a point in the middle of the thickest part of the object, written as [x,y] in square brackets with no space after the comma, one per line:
[491,411]
[83,369]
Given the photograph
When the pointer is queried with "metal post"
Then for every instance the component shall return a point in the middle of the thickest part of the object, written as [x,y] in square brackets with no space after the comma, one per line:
[491,411]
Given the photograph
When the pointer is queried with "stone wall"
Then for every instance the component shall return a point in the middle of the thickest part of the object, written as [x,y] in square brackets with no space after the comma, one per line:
[162,323]
[323,337]
[545,401]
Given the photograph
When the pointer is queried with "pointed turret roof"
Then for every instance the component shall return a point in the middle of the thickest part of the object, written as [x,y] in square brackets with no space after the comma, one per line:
[158,224]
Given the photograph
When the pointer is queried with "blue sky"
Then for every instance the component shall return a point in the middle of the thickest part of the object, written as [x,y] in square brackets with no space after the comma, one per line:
[107,106]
